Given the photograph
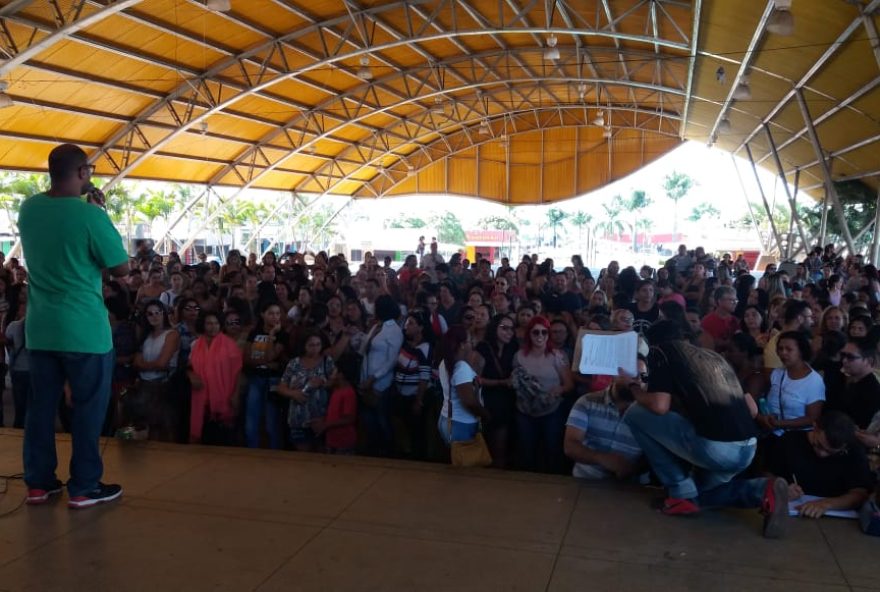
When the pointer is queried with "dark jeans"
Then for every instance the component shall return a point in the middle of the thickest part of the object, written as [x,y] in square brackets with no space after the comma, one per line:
[377,424]
[539,441]
[89,376]
[21,392]
[260,407]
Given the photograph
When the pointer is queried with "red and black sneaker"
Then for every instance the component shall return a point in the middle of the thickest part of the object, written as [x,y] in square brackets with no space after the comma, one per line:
[41,495]
[674,506]
[774,507]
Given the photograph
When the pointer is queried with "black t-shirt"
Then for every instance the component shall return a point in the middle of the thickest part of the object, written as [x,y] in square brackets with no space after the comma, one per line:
[860,400]
[644,319]
[260,346]
[704,389]
[825,477]
[556,303]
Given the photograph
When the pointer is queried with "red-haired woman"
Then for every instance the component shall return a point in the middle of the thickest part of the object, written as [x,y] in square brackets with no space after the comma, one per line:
[541,376]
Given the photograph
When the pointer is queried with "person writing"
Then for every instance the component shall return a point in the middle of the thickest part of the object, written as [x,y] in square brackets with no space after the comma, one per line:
[68,243]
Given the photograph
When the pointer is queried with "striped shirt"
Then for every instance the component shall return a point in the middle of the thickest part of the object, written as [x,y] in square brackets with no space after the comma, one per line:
[413,367]
[596,415]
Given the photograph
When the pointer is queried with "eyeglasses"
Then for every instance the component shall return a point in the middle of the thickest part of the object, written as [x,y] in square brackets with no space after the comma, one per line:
[154,313]
[89,167]
[643,377]
[468,317]
[506,327]
[848,357]
[540,332]
[233,322]
[191,307]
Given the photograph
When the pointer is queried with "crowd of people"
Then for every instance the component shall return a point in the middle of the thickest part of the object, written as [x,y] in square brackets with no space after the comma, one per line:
[749,391]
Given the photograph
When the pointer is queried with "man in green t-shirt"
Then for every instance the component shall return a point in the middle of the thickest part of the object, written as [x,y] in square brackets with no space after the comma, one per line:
[68,242]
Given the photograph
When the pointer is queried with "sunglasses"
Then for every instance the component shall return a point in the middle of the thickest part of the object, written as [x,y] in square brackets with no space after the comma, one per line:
[191,307]
[643,377]
[540,332]
[468,317]
[233,323]
[154,313]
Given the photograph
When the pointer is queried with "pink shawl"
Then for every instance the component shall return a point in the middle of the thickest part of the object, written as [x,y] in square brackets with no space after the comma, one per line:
[218,366]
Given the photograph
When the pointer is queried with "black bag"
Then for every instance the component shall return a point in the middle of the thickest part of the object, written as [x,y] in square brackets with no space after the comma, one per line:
[217,433]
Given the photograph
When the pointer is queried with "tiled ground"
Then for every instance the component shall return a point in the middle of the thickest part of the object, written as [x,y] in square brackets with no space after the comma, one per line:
[198,518]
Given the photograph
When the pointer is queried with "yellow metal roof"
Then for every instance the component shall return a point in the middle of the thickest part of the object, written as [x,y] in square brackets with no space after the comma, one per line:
[372,98]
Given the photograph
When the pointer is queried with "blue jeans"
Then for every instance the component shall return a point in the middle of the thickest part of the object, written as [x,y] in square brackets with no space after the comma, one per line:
[692,467]
[89,376]
[543,433]
[259,407]
[461,431]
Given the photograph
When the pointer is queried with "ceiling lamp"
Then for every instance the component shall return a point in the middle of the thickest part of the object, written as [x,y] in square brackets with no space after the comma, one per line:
[582,90]
[364,71]
[484,128]
[203,127]
[742,92]
[599,120]
[724,126]
[551,54]
[219,5]
[438,108]
[781,21]
[606,133]
[5,99]
[410,170]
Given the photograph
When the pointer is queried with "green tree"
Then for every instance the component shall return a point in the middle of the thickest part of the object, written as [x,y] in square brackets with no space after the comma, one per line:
[14,189]
[612,224]
[407,222]
[496,223]
[677,186]
[156,204]
[449,229]
[555,218]
[121,208]
[637,201]
[645,225]
[580,220]
[704,210]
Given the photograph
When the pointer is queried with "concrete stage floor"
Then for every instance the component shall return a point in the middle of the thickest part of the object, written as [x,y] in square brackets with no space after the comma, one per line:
[199,518]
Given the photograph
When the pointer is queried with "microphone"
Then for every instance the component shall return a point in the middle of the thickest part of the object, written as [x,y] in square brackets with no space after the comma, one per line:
[94,195]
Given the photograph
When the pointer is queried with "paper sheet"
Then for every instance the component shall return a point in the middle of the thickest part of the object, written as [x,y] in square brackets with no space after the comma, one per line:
[603,352]
[793,505]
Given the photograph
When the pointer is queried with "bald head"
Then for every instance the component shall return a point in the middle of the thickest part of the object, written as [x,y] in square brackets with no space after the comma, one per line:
[67,169]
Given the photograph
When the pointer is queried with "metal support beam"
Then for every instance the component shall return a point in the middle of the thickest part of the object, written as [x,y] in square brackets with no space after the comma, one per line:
[767,209]
[875,245]
[826,171]
[692,60]
[791,199]
[182,214]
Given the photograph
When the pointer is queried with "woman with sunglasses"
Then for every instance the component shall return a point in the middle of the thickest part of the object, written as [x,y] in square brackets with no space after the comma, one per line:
[156,361]
[497,351]
[541,377]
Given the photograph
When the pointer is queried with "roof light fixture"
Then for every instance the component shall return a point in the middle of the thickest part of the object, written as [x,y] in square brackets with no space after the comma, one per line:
[484,128]
[724,126]
[606,133]
[743,91]
[781,21]
[203,127]
[582,90]
[364,71]
[5,99]
[599,120]
[219,5]
[551,54]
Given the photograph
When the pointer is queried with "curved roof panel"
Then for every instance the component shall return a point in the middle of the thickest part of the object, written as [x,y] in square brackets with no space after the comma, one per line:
[513,100]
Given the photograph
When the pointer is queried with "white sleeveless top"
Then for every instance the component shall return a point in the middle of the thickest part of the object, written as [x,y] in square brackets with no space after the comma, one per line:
[151,350]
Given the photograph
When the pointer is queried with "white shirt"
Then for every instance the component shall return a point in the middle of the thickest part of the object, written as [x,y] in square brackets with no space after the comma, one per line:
[788,398]
[461,374]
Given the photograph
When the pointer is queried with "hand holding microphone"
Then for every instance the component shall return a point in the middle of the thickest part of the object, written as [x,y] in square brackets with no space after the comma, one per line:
[95,196]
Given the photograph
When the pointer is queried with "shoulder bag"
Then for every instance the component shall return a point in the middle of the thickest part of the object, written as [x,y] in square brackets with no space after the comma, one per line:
[466,453]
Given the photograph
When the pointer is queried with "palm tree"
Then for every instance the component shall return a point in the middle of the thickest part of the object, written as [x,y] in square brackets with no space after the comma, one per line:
[611,223]
[676,185]
[645,225]
[555,217]
[14,189]
[156,204]
[637,201]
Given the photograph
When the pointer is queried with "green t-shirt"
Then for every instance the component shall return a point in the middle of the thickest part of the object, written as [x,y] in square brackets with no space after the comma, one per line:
[67,242]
